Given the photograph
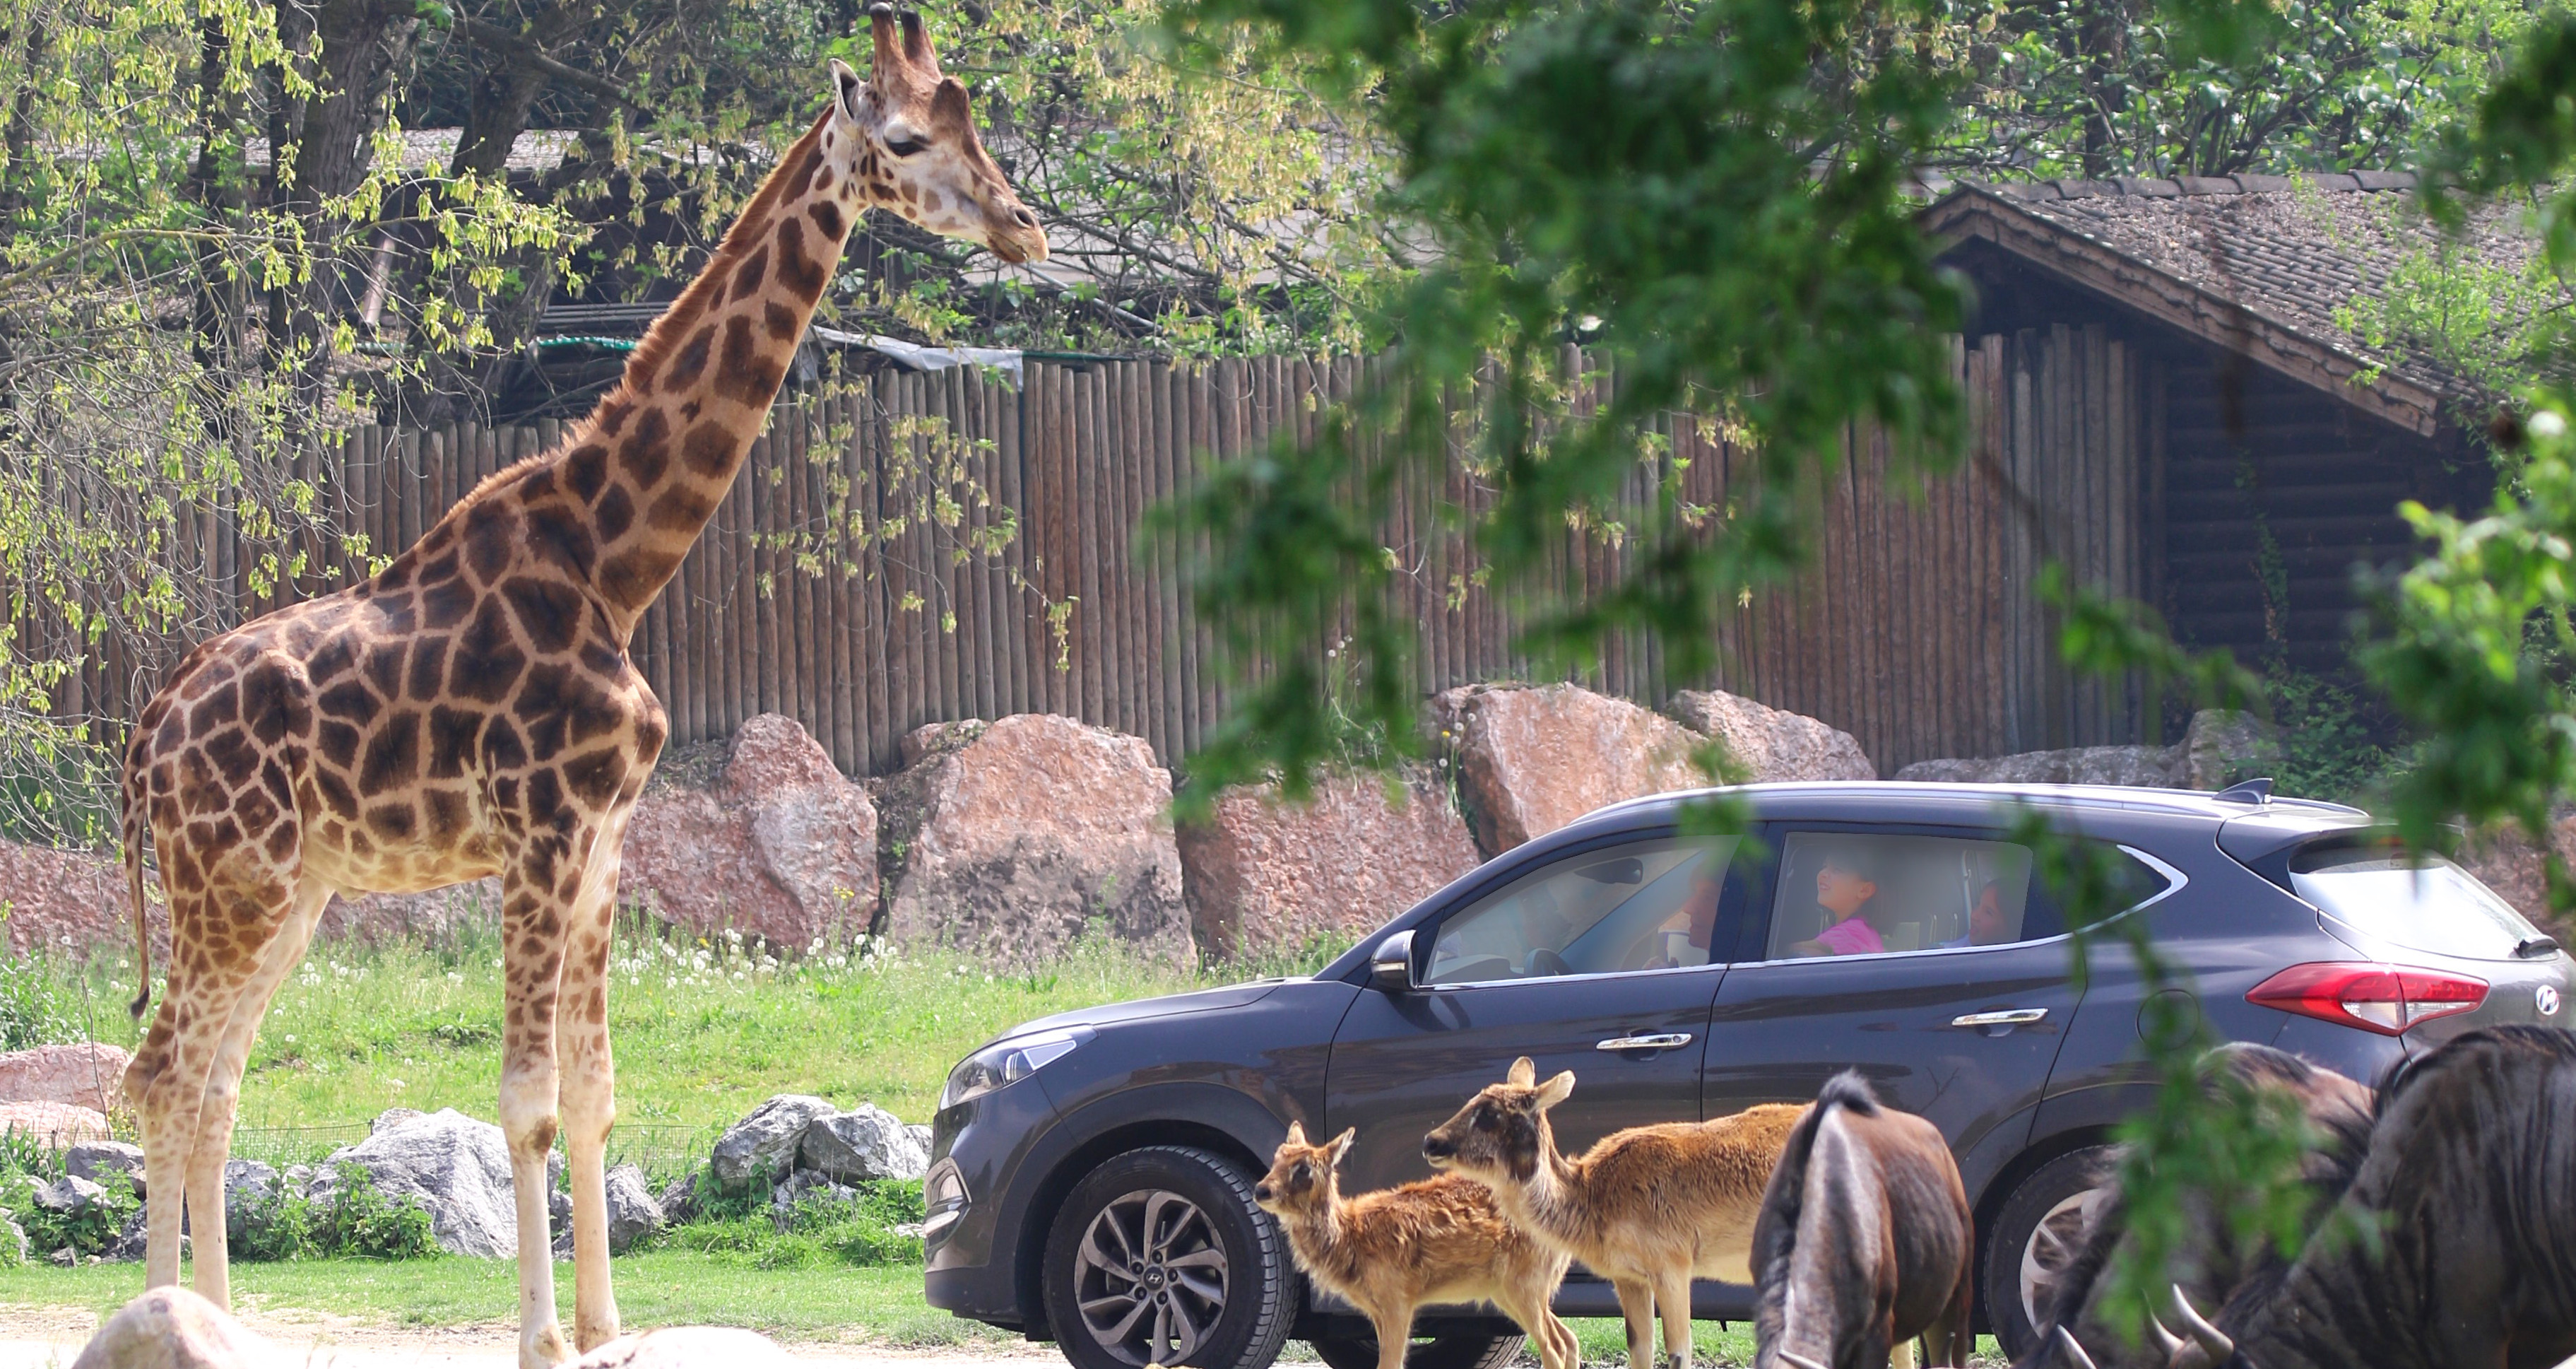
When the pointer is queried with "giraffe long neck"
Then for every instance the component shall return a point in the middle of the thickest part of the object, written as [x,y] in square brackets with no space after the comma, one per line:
[656,457]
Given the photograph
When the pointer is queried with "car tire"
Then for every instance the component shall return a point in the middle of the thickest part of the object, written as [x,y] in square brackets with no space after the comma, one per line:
[1459,1350]
[2039,1229]
[1160,1257]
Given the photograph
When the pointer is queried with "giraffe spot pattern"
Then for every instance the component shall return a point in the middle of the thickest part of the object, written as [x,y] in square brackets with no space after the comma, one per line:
[586,470]
[690,362]
[827,217]
[647,454]
[615,514]
[393,754]
[801,274]
[632,577]
[748,277]
[745,374]
[548,611]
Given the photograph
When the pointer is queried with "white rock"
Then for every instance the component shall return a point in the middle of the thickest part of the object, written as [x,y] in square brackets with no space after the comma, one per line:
[861,1146]
[632,1212]
[98,1161]
[173,1328]
[1773,743]
[70,1193]
[456,1168]
[761,1146]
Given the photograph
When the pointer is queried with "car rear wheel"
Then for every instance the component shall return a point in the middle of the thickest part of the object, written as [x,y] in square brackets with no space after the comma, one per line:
[1159,1257]
[1458,1350]
[2041,1230]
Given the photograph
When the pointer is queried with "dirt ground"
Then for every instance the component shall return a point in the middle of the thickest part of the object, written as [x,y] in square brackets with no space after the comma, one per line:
[53,1339]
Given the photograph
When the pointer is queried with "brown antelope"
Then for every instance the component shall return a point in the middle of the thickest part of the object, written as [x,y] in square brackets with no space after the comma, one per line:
[1864,1242]
[1437,1240]
[1648,1208]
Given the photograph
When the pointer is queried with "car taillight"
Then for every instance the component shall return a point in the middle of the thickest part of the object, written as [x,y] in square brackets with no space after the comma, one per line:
[2386,999]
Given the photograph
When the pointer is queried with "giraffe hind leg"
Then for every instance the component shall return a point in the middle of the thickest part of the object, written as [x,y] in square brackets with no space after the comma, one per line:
[589,1086]
[221,1105]
[532,923]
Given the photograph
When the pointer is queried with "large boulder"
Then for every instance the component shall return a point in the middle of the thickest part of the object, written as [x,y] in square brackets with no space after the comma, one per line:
[435,917]
[782,845]
[1534,759]
[1016,837]
[455,1167]
[632,1213]
[1772,743]
[90,1075]
[60,899]
[685,1347]
[173,1328]
[762,1146]
[2217,744]
[862,1145]
[1267,878]
[106,1161]
[54,1126]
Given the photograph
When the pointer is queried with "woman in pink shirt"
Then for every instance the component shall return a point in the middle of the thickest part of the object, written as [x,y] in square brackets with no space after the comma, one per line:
[1847,886]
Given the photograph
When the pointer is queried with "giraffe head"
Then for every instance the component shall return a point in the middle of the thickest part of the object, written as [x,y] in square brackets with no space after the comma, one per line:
[915,149]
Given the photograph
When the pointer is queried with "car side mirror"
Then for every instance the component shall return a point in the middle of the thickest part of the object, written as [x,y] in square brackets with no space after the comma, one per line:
[1391,968]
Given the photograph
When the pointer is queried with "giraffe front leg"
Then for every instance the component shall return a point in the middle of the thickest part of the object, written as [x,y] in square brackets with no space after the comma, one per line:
[590,1090]
[532,921]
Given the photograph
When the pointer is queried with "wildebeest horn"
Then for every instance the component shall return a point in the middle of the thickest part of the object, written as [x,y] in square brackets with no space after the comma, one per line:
[2212,1341]
[1800,1360]
[2073,1353]
[2166,1341]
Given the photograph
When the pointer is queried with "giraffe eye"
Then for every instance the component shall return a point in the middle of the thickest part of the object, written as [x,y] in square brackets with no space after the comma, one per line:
[905,147]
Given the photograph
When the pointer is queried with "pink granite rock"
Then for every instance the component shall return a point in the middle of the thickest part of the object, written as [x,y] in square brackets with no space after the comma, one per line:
[55,1126]
[64,899]
[781,846]
[90,1075]
[1772,743]
[1267,878]
[1534,759]
[1011,839]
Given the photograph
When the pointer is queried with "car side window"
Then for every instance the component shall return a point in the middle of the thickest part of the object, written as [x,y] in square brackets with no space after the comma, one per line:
[1862,893]
[1642,906]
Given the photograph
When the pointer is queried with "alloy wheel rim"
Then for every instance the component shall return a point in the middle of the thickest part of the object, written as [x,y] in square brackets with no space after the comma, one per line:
[1150,1278]
[2053,1245]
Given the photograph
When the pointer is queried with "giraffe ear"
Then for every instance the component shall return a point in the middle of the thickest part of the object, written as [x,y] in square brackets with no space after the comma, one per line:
[845,83]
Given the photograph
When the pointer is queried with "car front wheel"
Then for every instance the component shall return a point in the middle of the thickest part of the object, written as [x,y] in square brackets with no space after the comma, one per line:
[1159,1257]
[2041,1230]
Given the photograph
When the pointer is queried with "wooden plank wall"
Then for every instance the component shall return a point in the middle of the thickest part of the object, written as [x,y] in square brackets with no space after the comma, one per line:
[1913,630]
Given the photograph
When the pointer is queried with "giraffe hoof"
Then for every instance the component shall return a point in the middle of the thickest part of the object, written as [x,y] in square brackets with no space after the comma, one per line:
[544,1348]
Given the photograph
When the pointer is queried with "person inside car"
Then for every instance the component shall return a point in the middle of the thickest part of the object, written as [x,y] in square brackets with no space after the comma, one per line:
[1987,925]
[1847,889]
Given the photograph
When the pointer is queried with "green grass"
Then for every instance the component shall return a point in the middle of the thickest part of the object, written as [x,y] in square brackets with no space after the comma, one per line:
[702,1032]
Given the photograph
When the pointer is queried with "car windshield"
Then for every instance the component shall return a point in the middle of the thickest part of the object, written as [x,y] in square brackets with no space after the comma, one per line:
[2423,903]
[1644,906]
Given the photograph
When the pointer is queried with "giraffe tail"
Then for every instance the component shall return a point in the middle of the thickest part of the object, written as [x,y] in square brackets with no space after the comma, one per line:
[133,826]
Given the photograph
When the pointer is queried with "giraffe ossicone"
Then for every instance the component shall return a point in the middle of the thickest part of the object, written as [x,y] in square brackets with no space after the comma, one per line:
[470,710]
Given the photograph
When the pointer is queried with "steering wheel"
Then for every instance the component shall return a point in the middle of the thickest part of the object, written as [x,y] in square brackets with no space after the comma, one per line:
[1544,964]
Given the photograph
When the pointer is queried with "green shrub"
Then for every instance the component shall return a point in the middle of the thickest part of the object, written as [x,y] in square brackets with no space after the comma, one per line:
[820,1232]
[33,1008]
[89,1231]
[357,1221]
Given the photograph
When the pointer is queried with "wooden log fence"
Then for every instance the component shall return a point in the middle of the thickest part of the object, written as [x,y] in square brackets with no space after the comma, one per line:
[823,591]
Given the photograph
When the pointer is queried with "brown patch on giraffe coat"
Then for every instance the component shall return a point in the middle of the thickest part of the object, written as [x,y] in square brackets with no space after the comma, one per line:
[221,706]
[274,703]
[690,362]
[383,668]
[754,271]
[779,320]
[711,451]
[647,454]
[745,374]
[336,793]
[491,537]
[612,415]
[827,217]
[802,275]
[452,734]
[586,470]
[680,509]
[445,604]
[615,514]
[230,751]
[428,666]
[632,577]
[393,821]
[560,538]
[594,776]
[487,660]
[393,754]
[503,749]
[351,699]
[548,611]
[338,743]
[448,816]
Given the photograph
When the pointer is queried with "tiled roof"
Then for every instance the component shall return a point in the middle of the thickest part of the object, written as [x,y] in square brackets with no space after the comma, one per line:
[2254,262]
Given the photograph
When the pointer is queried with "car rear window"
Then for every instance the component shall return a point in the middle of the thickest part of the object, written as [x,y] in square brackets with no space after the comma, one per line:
[2420,902]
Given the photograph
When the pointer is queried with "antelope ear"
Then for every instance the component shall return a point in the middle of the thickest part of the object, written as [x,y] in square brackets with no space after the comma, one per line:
[1555,1090]
[1342,1143]
[1524,1072]
[1296,1134]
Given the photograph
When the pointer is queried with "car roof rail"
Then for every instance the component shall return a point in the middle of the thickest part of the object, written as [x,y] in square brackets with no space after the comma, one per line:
[2256,791]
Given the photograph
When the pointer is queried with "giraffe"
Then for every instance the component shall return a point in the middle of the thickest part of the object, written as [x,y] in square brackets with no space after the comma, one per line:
[470,710]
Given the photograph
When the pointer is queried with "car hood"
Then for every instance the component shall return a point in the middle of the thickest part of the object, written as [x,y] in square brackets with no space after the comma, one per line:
[1142,1009]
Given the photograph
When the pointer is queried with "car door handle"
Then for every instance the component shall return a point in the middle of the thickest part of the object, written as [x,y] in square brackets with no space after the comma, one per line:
[2000,1017]
[1658,1041]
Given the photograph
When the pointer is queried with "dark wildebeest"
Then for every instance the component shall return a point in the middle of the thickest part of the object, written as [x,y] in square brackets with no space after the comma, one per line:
[1864,1241]
[2470,1180]
[2215,1263]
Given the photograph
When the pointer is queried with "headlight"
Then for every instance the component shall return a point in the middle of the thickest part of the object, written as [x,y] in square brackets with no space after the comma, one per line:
[1008,1062]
